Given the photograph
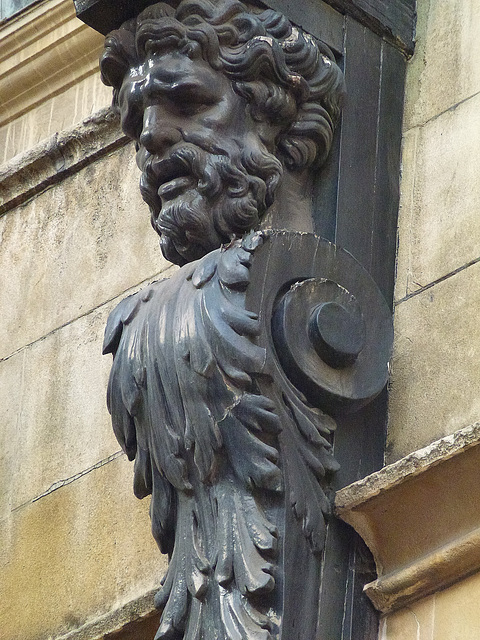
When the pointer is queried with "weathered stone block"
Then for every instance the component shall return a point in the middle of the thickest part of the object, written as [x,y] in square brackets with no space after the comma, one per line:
[76,554]
[415,622]
[435,384]
[57,423]
[447,615]
[444,70]
[56,114]
[406,214]
[11,371]
[456,611]
[55,419]
[439,224]
[83,241]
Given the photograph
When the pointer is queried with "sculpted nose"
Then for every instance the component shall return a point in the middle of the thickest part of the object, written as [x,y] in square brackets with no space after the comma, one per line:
[158,133]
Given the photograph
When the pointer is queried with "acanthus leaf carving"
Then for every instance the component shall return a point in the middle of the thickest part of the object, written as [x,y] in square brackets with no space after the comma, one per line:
[227,377]
[217,430]
[308,460]
[197,432]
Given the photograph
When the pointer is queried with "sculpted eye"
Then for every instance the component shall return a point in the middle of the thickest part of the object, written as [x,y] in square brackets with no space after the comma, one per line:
[192,99]
[191,108]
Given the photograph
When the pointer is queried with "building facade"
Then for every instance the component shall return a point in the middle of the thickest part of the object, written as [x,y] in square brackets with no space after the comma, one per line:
[77,558]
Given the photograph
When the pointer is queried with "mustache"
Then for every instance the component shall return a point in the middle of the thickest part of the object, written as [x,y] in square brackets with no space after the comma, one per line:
[185,160]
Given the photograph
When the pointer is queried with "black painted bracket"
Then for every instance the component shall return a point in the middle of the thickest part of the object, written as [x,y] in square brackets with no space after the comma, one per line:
[392,19]
[106,15]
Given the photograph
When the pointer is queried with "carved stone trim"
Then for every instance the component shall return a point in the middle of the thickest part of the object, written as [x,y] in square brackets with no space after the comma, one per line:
[420,517]
[109,625]
[439,569]
[43,51]
[62,154]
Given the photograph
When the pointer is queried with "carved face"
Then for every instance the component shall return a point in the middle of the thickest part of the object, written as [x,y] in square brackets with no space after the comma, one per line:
[207,168]
[214,94]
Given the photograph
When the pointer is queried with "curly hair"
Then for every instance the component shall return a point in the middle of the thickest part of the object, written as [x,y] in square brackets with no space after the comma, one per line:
[286,76]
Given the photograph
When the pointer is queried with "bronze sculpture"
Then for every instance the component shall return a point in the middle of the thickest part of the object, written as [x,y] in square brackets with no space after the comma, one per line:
[219,100]
[219,385]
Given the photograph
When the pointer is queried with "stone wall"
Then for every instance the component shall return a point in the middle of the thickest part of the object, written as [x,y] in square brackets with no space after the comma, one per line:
[76,555]
[435,386]
[419,514]
[451,614]
[76,551]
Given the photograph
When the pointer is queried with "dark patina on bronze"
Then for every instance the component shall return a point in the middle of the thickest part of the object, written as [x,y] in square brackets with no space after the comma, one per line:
[223,394]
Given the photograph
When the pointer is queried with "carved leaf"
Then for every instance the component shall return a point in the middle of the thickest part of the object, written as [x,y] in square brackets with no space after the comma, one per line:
[185,579]
[244,429]
[184,404]
[241,620]
[243,533]
[308,460]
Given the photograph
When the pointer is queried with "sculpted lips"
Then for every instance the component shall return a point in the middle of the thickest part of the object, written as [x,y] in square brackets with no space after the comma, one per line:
[173,175]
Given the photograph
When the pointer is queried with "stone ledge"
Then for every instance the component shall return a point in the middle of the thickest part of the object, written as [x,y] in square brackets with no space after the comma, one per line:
[43,51]
[61,155]
[437,570]
[405,469]
[112,624]
[420,518]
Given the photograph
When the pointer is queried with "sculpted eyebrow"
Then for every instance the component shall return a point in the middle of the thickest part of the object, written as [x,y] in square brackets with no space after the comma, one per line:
[194,90]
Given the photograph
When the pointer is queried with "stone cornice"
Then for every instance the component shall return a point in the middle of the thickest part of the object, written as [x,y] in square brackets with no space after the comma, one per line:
[43,51]
[420,518]
[61,155]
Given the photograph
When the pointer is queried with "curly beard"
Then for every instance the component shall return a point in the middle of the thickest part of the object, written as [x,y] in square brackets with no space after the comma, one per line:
[201,198]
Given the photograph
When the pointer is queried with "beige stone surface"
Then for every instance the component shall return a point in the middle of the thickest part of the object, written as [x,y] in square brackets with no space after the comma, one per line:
[439,226]
[76,554]
[415,622]
[43,51]
[56,422]
[65,252]
[10,402]
[457,611]
[56,114]
[435,381]
[451,614]
[406,216]
[444,70]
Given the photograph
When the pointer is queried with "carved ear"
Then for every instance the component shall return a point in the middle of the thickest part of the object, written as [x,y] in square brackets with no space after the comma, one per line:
[117,57]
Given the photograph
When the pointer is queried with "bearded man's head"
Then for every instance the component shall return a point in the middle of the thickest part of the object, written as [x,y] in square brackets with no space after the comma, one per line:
[220,98]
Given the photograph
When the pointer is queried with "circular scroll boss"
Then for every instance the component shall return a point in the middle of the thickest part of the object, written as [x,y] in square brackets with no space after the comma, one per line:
[324,320]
